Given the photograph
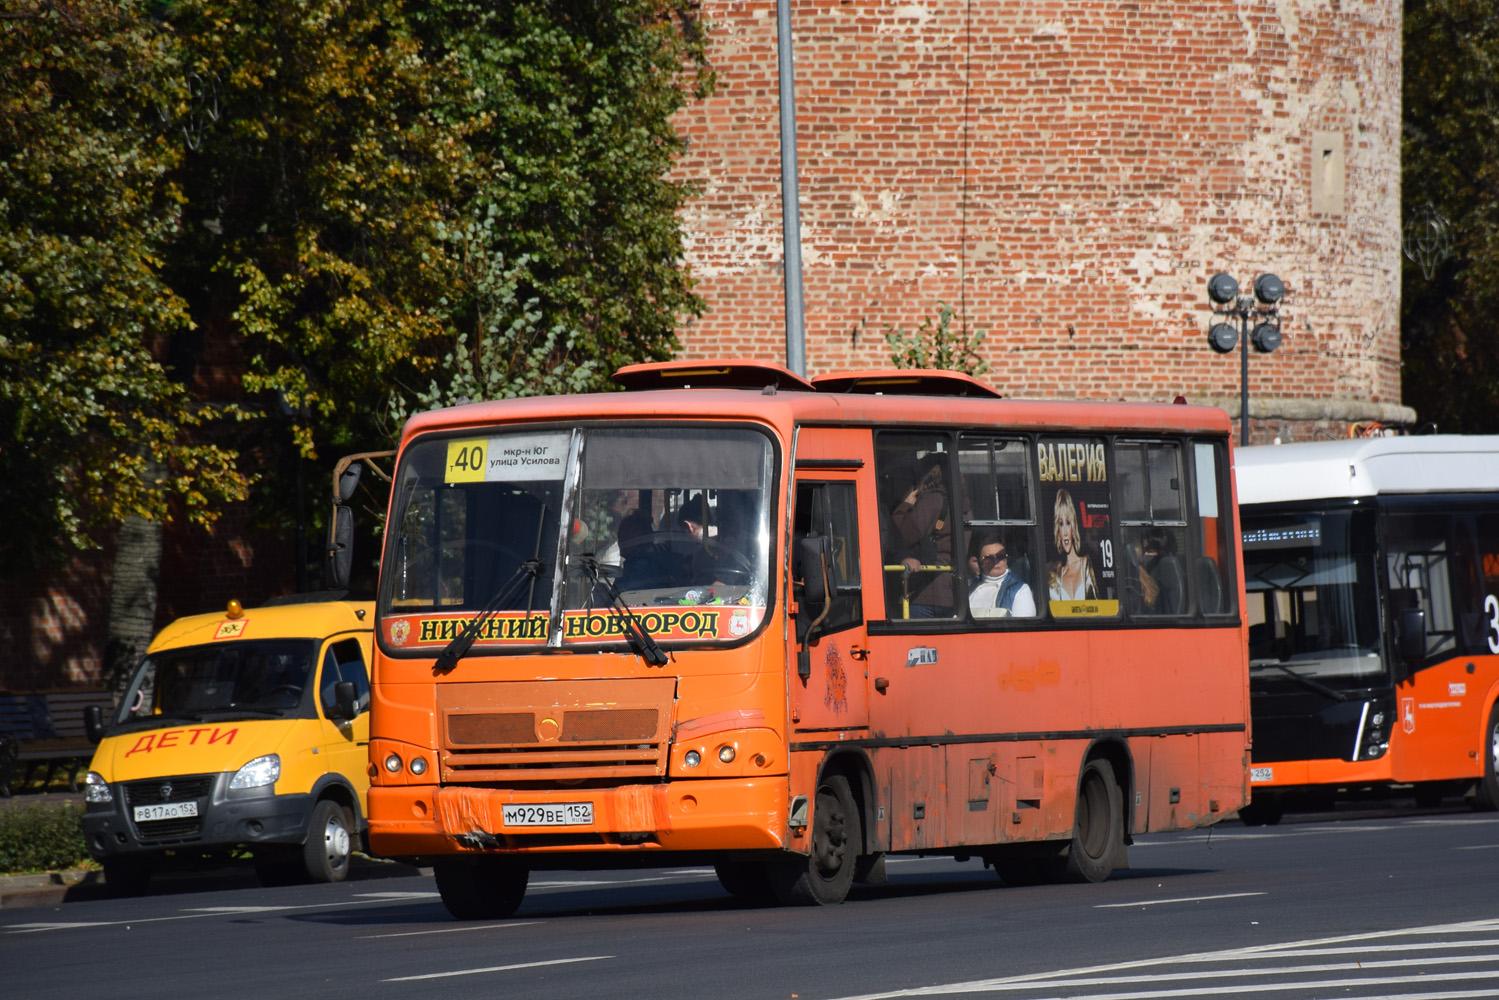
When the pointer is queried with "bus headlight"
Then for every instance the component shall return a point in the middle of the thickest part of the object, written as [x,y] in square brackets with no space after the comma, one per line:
[692,758]
[418,765]
[257,773]
[96,789]
[393,763]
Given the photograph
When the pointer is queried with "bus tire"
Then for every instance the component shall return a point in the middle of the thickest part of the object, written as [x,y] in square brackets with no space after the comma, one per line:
[823,877]
[1486,795]
[1097,828]
[746,880]
[1266,810]
[330,843]
[482,888]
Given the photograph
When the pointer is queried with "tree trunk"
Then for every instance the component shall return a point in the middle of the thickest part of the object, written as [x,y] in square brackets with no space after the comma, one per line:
[132,599]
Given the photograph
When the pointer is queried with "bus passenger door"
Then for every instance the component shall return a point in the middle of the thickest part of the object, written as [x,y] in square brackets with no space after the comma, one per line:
[830,641]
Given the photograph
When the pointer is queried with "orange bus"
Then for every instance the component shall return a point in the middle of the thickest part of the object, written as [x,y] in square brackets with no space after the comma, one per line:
[1372,568]
[786,627]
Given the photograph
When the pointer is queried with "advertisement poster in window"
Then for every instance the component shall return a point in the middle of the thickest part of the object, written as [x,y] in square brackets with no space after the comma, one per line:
[1075,493]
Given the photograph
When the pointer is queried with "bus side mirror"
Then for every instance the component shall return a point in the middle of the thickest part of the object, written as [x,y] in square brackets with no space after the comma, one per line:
[93,723]
[813,552]
[345,701]
[1412,633]
[340,560]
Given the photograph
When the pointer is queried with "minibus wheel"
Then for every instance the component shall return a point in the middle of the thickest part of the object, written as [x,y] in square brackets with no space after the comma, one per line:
[330,843]
[127,876]
[1486,795]
[1097,829]
[823,878]
[480,888]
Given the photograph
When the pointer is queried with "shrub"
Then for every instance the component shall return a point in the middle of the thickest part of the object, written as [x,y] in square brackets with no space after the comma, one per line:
[37,837]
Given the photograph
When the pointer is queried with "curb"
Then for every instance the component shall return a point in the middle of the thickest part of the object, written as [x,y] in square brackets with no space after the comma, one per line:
[48,888]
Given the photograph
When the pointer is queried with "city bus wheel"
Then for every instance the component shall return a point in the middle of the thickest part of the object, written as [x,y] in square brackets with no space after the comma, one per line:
[745,879]
[1264,810]
[1486,796]
[330,843]
[823,878]
[1097,829]
[480,888]
[127,876]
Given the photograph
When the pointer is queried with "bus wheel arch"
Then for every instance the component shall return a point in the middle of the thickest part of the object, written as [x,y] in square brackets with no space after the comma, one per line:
[1486,793]
[823,876]
[1100,825]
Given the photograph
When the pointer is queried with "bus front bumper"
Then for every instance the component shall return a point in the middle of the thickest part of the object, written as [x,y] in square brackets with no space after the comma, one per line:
[707,815]
[1319,773]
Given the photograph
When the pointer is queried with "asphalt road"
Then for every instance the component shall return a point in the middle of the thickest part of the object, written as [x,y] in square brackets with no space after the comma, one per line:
[1385,904]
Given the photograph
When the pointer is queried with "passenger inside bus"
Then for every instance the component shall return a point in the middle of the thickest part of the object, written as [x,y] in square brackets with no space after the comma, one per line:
[999,590]
[923,521]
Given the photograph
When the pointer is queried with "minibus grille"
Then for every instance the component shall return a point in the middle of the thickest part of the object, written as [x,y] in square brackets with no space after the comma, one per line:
[621,744]
[156,791]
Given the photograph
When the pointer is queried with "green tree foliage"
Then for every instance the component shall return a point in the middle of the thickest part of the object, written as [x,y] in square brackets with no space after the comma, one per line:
[935,344]
[570,243]
[1450,168]
[89,97]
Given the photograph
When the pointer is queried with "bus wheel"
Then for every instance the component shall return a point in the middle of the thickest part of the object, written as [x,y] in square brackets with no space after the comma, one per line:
[480,888]
[1097,830]
[1486,796]
[330,843]
[745,879]
[1266,810]
[823,878]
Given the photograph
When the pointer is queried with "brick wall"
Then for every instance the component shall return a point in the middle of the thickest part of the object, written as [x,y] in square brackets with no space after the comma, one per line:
[1067,175]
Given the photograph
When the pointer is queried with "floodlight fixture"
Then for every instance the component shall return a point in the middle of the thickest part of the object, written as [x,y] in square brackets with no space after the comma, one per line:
[1222,289]
[1266,337]
[1268,289]
[1223,337]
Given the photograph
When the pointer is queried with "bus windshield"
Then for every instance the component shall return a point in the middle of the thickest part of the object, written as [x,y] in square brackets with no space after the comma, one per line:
[669,524]
[1312,594]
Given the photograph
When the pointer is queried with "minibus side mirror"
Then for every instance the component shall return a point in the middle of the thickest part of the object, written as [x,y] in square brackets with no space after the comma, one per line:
[1412,633]
[93,723]
[345,701]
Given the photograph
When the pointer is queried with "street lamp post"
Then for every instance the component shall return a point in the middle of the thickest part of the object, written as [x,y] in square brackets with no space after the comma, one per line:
[1263,307]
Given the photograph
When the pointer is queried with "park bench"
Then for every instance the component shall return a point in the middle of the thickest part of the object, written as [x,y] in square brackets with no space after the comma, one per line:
[44,731]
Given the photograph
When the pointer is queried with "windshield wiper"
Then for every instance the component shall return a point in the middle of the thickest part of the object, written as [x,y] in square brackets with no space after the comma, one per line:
[1307,682]
[639,639]
[464,640]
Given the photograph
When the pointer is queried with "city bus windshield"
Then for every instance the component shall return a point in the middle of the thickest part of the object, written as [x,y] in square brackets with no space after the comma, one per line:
[667,532]
[1312,606]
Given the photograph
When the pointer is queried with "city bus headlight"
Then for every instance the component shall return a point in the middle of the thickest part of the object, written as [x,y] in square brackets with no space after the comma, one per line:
[418,765]
[692,758]
[736,753]
[96,789]
[393,763]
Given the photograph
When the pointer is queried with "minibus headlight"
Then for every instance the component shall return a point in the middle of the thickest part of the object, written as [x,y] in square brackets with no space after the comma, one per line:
[418,765]
[726,753]
[96,789]
[692,758]
[259,772]
[393,764]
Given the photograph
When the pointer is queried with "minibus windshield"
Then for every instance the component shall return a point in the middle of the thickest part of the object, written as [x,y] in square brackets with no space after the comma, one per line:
[240,679]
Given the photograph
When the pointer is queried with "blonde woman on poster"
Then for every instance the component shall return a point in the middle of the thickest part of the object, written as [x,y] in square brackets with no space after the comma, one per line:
[1072,575]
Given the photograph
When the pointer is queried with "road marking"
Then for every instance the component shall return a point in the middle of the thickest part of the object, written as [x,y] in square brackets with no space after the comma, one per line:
[1182,899]
[496,968]
[1088,975]
[450,930]
[196,913]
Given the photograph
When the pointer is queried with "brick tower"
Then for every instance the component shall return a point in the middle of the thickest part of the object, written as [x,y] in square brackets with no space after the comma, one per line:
[1066,175]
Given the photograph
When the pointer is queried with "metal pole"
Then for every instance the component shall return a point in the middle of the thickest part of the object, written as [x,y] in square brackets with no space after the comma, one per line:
[791,225]
[1243,376]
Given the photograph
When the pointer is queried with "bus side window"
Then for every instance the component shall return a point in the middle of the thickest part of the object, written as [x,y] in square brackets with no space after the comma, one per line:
[1418,563]
[996,478]
[919,513]
[1210,577]
[827,512]
[1154,526]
